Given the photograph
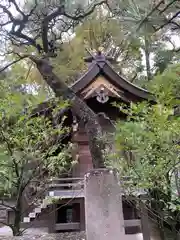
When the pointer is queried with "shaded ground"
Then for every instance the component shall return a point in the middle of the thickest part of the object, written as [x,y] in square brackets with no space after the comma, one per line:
[41,234]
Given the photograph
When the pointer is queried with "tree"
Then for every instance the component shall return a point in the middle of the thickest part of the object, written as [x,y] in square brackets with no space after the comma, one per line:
[149,146]
[150,22]
[45,24]
[30,151]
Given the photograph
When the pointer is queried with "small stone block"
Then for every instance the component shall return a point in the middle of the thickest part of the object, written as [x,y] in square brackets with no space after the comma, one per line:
[44,205]
[26,220]
[32,215]
[51,194]
[37,210]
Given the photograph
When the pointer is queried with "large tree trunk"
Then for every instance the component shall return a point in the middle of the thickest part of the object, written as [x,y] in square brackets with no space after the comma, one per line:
[17,224]
[17,218]
[81,109]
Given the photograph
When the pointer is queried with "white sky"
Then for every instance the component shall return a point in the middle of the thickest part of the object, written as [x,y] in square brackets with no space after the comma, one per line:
[174,38]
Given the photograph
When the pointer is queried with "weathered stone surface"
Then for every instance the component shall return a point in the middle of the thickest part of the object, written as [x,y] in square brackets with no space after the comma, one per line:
[103,205]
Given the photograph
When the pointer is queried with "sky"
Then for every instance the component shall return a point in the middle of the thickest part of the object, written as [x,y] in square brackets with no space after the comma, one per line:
[174,38]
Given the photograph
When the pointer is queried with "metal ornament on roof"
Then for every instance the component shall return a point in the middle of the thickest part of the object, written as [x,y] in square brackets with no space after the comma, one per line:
[98,55]
[102,96]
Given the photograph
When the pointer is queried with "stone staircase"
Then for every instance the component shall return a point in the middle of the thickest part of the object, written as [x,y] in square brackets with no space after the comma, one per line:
[72,184]
[38,209]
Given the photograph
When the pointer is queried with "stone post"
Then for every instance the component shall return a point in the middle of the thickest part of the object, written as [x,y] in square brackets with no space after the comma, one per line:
[103,206]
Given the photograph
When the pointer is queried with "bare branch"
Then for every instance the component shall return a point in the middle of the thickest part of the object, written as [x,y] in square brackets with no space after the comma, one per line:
[85,13]
[5,10]
[167,6]
[169,21]
[12,63]
[45,24]
[30,41]
[17,7]
[61,12]
[33,9]
[149,14]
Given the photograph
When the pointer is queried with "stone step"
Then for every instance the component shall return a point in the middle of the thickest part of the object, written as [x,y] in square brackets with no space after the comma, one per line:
[43,206]
[32,215]
[26,219]
[37,210]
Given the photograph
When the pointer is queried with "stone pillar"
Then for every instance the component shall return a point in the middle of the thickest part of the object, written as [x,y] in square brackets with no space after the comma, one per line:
[103,206]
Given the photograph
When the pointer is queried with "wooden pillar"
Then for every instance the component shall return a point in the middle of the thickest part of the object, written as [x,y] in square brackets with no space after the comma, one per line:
[52,219]
[144,221]
[82,215]
[103,206]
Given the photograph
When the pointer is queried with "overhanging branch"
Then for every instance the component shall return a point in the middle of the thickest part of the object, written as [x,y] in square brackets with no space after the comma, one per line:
[12,63]
[169,21]
[60,11]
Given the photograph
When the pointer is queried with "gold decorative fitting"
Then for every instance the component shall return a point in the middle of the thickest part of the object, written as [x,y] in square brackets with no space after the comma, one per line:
[100,49]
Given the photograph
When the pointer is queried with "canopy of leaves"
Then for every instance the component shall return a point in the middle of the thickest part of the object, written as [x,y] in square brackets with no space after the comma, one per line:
[148,151]
[28,145]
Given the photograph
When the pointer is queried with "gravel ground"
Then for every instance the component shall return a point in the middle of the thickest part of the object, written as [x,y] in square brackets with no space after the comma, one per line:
[40,234]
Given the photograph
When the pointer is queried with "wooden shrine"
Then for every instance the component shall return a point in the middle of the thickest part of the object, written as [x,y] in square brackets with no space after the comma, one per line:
[99,87]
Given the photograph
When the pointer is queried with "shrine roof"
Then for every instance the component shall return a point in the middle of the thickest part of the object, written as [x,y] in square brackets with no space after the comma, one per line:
[100,65]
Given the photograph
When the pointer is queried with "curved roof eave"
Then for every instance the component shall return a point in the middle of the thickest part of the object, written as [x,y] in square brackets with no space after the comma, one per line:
[125,84]
[85,79]
[105,68]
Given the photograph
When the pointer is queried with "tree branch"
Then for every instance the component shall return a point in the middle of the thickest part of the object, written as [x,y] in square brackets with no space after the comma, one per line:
[11,153]
[87,13]
[149,14]
[17,7]
[33,9]
[5,10]
[167,6]
[61,12]
[88,117]
[12,63]
[168,21]
[45,24]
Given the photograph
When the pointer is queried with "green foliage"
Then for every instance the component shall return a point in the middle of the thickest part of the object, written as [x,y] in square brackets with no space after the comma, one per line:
[166,86]
[24,140]
[30,149]
[162,59]
[148,149]
[150,136]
